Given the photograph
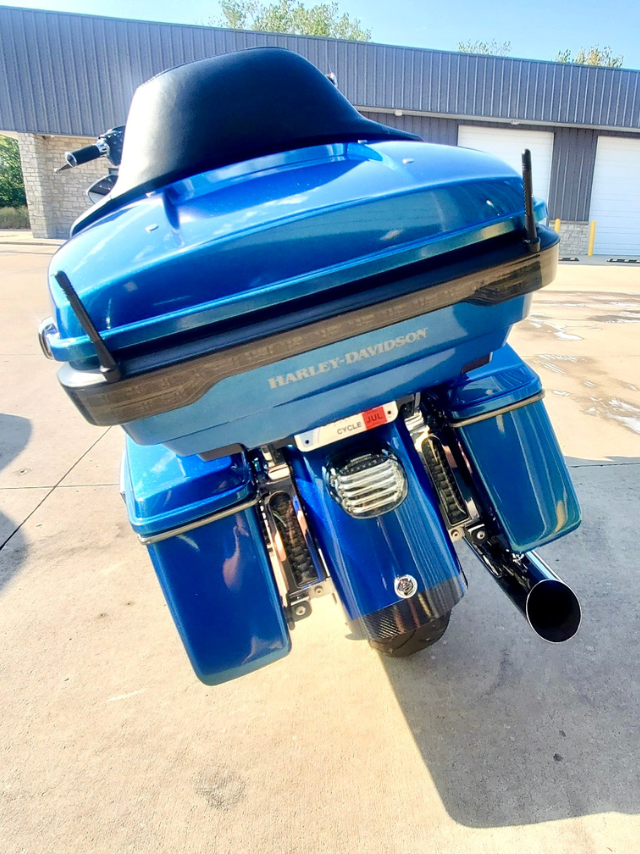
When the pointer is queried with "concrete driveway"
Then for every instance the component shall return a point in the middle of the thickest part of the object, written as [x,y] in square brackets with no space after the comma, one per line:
[490,742]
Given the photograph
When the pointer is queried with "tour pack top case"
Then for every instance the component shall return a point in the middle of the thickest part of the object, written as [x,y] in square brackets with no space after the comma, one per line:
[236,283]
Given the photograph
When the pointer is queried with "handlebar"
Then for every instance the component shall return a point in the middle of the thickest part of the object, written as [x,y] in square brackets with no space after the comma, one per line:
[84,155]
[108,145]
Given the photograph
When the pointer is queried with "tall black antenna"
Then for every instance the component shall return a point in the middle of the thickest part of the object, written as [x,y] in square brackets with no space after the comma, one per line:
[531,239]
[108,365]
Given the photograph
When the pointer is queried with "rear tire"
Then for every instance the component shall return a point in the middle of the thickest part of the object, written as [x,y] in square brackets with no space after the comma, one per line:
[414,641]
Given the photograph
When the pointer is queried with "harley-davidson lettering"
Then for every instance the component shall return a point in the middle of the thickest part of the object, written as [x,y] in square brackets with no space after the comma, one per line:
[348,359]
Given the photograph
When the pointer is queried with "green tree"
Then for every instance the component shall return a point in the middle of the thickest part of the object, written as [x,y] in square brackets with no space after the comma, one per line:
[287,16]
[492,48]
[595,55]
[11,183]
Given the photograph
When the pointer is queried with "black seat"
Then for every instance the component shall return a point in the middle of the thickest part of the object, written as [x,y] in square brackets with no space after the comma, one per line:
[228,109]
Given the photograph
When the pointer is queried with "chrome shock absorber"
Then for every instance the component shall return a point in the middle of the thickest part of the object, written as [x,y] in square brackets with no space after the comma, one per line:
[456,501]
[300,570]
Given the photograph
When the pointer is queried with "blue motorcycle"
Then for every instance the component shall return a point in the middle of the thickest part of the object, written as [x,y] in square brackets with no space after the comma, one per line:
[299,317]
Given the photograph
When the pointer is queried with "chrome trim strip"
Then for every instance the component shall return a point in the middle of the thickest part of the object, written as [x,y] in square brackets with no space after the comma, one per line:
[503,409]
[197,523]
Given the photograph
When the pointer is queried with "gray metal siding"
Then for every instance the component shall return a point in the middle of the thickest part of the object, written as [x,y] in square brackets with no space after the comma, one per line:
[431,129]
[574,157]
[75,74]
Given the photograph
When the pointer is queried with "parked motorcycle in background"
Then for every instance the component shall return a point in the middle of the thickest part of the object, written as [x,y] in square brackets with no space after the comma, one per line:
[299,317]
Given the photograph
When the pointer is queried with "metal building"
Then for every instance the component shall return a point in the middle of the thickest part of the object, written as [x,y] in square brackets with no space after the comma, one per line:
[64,75]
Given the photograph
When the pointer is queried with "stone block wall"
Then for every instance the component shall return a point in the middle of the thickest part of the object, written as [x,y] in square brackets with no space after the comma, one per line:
[55,201]
[574,238]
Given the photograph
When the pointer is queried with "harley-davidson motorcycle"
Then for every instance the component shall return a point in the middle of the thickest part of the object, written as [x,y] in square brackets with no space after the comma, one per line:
[299,317]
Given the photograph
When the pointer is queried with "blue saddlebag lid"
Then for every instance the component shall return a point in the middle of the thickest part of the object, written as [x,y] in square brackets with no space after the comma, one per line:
[164,491]
[505,380]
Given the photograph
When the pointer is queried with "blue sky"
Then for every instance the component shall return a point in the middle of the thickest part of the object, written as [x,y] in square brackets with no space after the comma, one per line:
[536,30]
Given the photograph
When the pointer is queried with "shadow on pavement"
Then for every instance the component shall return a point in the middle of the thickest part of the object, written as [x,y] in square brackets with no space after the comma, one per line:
[515,731]
[14,435]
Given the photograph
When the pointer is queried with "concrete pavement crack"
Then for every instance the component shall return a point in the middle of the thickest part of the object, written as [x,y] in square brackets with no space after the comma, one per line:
[53,488]
[601,465]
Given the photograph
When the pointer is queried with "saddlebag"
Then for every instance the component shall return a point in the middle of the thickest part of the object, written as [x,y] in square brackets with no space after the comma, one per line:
[200,523]
[501,424]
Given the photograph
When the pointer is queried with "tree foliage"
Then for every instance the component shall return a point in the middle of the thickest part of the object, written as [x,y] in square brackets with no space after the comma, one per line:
[492,48]
[595,55]
[11,183]
[287,16]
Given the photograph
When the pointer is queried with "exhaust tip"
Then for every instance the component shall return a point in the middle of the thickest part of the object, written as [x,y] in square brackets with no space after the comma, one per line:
[553,611]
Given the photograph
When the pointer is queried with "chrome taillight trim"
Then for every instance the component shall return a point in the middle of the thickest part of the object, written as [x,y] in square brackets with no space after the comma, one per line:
[367,484]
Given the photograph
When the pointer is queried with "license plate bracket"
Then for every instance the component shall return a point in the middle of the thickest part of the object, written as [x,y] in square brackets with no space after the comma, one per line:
[351,426]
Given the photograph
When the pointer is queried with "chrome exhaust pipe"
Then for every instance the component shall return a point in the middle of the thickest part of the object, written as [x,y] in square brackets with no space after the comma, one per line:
[548,604]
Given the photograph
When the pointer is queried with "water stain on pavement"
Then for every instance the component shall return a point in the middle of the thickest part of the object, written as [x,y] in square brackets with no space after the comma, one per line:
[224,791]
[598,402]
[579,322]
[540,322]
[623,317]
[610,307]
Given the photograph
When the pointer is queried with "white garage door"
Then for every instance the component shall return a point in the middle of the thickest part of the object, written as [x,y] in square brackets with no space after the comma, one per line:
[615,196]
[508,144]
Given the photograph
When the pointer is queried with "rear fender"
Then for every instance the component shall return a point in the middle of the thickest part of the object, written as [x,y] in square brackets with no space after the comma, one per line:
[375,562]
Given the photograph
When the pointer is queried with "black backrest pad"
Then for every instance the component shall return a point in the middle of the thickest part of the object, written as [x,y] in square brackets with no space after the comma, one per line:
[232,108]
